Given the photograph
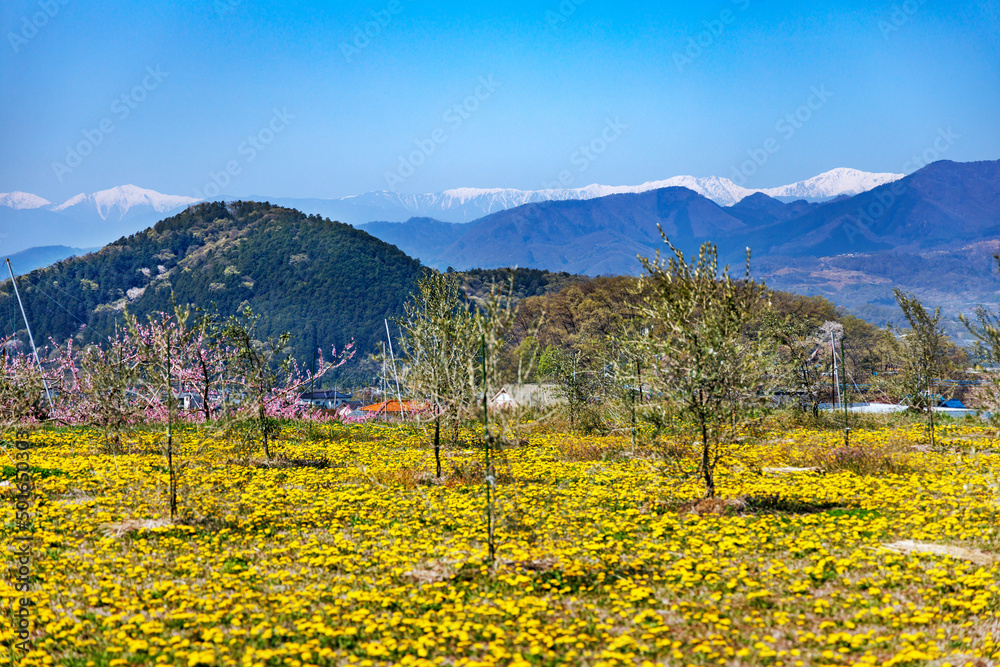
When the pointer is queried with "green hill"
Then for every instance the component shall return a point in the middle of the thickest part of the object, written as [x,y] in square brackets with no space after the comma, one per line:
[323,281]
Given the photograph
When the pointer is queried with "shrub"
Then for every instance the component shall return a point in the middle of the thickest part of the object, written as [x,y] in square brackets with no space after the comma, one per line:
[862,461]
[590,449]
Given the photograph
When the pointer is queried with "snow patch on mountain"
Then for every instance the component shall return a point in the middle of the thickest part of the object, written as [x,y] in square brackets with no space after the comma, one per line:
[726,193]
[22,200]
[836,182]
[72,201]
[455,205]
[720,190]
[472,203]
[125,197]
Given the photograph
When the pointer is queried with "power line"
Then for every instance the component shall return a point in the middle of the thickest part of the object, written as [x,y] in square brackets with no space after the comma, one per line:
[71,314]
[11,318]
[55,284]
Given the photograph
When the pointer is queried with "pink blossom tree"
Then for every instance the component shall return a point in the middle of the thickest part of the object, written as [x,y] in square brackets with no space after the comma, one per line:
[22,388]
[99,386]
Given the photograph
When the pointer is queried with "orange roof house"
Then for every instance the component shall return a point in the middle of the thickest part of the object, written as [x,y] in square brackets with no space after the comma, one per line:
[391,407]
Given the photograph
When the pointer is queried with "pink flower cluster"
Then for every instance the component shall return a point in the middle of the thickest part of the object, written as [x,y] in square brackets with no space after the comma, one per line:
[150,370]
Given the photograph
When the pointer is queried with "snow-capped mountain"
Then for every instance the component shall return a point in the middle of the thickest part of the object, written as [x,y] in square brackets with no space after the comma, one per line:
[84,221]
[467,204]
[833,183]
[21,201]
[91,220]
[942,208]
[722,191]
[123,198]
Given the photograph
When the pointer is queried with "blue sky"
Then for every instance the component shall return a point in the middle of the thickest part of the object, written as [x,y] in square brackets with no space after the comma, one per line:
[294,99]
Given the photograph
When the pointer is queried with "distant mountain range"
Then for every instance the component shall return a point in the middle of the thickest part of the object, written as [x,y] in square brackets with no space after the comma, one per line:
[933,232]
[28,220]
[943,206]
[468,204]
[851,249]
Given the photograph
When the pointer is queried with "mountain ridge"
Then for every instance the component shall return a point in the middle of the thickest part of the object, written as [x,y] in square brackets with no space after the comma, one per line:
[86,220]
[900,229]
[462,205]
[929,233]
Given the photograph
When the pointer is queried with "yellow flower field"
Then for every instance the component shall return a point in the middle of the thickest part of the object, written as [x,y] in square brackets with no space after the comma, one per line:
[348,552]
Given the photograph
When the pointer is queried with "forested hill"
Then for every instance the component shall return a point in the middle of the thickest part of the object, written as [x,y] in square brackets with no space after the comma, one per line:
[323,281]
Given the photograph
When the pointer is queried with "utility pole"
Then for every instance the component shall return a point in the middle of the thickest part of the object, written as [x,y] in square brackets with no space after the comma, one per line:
[847,423]
[395,375]
[836,377]
[312,376]
[31,338]
[490,478]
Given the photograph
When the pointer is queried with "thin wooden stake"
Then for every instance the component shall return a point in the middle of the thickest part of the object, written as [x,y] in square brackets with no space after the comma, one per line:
[490,480]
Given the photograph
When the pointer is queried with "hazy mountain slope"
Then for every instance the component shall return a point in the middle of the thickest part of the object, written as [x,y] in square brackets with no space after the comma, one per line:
[31,259]
[944,205]
[759,210]
[417,237]
[592,237]
[29,228]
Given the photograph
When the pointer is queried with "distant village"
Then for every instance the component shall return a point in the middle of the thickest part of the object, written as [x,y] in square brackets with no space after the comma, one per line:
[379,403]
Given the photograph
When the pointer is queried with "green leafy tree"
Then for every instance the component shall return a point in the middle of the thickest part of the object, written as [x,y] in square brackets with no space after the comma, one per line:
[703,359]
[573,380]
[439,338]
[925,357]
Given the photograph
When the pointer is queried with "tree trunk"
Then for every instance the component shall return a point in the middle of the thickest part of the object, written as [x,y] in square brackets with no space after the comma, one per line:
[633,417]
[706,466]
[437,445]
[204,397]
[638,374]
[173,474]
[262,414]
[170,436]
[930,414]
